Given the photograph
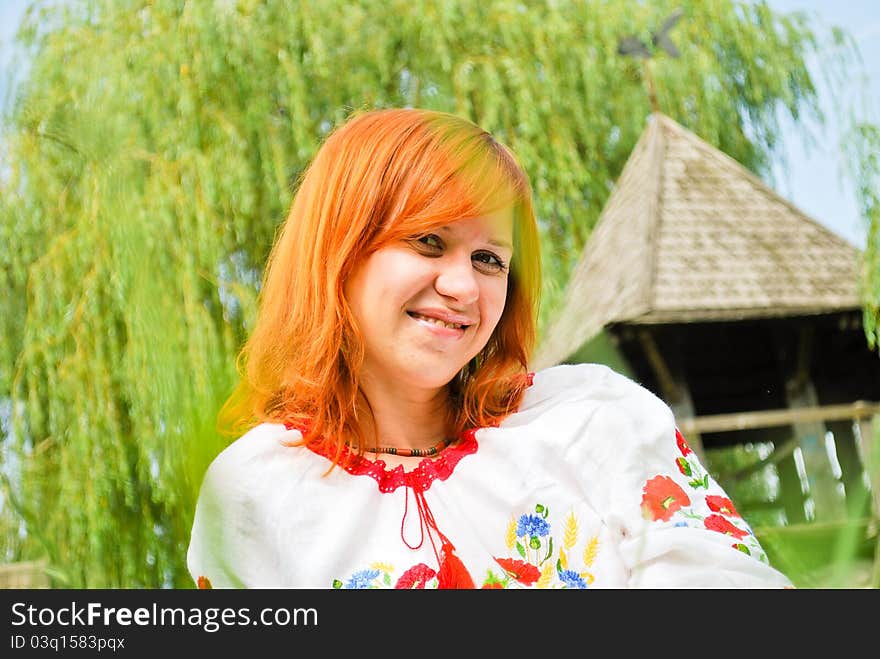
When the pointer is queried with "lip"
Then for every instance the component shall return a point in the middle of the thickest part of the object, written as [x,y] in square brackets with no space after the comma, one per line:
[442,331]
[443,314]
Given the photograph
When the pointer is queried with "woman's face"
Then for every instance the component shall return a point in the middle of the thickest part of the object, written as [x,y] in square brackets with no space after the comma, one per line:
[428,305]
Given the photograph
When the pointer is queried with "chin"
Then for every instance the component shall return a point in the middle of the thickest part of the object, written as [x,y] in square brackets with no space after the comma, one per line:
[428,377]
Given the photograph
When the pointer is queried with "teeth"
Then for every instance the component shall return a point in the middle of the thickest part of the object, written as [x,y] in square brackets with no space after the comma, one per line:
[436,321]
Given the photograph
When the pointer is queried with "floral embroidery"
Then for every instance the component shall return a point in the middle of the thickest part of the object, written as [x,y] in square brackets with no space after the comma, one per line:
[362,579]
[590,551]
[572,579]
[718,523]
[683,466]
[682,444]
[664,500]
[416,577]
[534,528]
[492,583]
[690,467]
[381,575]
[662,497]
[531,528]
[452,574]
[540,565]
[539,561]
[548,552]
[721,505]
[525,573]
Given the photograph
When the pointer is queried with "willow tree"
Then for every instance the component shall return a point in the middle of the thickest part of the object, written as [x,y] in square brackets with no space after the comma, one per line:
[153,150]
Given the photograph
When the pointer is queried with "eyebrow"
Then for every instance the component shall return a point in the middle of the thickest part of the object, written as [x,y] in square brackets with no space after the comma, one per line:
[491,241]
[501,243]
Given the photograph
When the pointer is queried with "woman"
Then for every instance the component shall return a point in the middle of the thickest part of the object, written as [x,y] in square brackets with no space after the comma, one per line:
[393,435]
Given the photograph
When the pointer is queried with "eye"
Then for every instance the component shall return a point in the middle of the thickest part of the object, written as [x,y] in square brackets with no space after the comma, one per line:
[489,262]
[429,243]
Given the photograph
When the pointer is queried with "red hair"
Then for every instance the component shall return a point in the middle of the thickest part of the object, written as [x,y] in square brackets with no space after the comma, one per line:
[383,176]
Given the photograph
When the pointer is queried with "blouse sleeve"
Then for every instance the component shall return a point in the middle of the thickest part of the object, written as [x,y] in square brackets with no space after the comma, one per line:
[227,546]
[678,527]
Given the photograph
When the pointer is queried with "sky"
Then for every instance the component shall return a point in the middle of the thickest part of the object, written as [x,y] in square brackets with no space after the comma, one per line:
[811,176]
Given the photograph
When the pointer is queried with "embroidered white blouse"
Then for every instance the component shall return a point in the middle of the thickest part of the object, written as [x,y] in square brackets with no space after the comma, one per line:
[589,485]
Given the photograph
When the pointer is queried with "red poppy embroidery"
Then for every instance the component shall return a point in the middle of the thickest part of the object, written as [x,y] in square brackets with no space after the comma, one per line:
[492,585]
[662,498]
[204,583]
[718,523]
[525,573]
[721,505]
[682,444]
[415,578]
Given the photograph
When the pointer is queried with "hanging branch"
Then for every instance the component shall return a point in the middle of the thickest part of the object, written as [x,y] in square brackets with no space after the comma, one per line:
[137,232]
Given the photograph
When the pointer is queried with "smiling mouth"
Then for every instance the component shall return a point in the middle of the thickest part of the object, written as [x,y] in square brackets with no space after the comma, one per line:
[436,321]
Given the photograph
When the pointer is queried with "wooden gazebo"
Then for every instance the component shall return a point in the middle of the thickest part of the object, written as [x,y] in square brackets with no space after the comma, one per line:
[736,308]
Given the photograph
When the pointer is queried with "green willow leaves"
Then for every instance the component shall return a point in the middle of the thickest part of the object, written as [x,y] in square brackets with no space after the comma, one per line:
[153,149]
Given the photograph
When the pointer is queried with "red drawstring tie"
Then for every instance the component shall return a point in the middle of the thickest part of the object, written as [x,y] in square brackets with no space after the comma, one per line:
[452,572]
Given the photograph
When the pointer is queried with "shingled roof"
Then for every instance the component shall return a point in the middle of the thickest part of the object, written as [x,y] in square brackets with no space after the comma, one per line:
[689,234]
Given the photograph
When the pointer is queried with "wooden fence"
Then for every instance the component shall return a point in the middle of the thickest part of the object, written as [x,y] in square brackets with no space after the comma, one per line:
[805,421]
[31,574]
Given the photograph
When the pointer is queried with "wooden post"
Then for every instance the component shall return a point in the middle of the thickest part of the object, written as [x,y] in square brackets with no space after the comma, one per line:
[853,467]
[674,388]
[828,503]
[869,436]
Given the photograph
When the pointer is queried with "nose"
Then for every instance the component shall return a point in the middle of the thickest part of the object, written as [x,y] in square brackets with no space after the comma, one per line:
[456,279]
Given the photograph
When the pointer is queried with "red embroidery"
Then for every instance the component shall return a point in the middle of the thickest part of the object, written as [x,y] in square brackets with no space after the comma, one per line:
[415,577]
[204,583]
[682,444]
[721,505]
[451,573]
[419,479]
[718,523]
[525,573]
[662,497]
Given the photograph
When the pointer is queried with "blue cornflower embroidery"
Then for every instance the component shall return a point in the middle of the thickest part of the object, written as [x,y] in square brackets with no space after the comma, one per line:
[362,579]
[572,579]
[531,526]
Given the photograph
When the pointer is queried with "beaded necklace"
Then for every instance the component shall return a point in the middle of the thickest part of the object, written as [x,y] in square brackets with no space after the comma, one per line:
[410,452]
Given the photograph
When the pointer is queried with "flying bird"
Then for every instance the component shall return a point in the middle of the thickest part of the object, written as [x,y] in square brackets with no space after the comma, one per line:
[635,47]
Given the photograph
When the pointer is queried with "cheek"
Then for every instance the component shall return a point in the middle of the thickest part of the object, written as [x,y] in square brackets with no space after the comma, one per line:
[494,298]
[395,274]
[369,283]
[354,290]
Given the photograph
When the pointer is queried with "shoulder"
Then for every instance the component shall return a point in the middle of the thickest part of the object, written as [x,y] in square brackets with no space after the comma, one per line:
[594,385]
[234,513]
[594,406]
[249,456]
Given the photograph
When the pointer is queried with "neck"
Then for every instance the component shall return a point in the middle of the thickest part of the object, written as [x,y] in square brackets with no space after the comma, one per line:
[405,418]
